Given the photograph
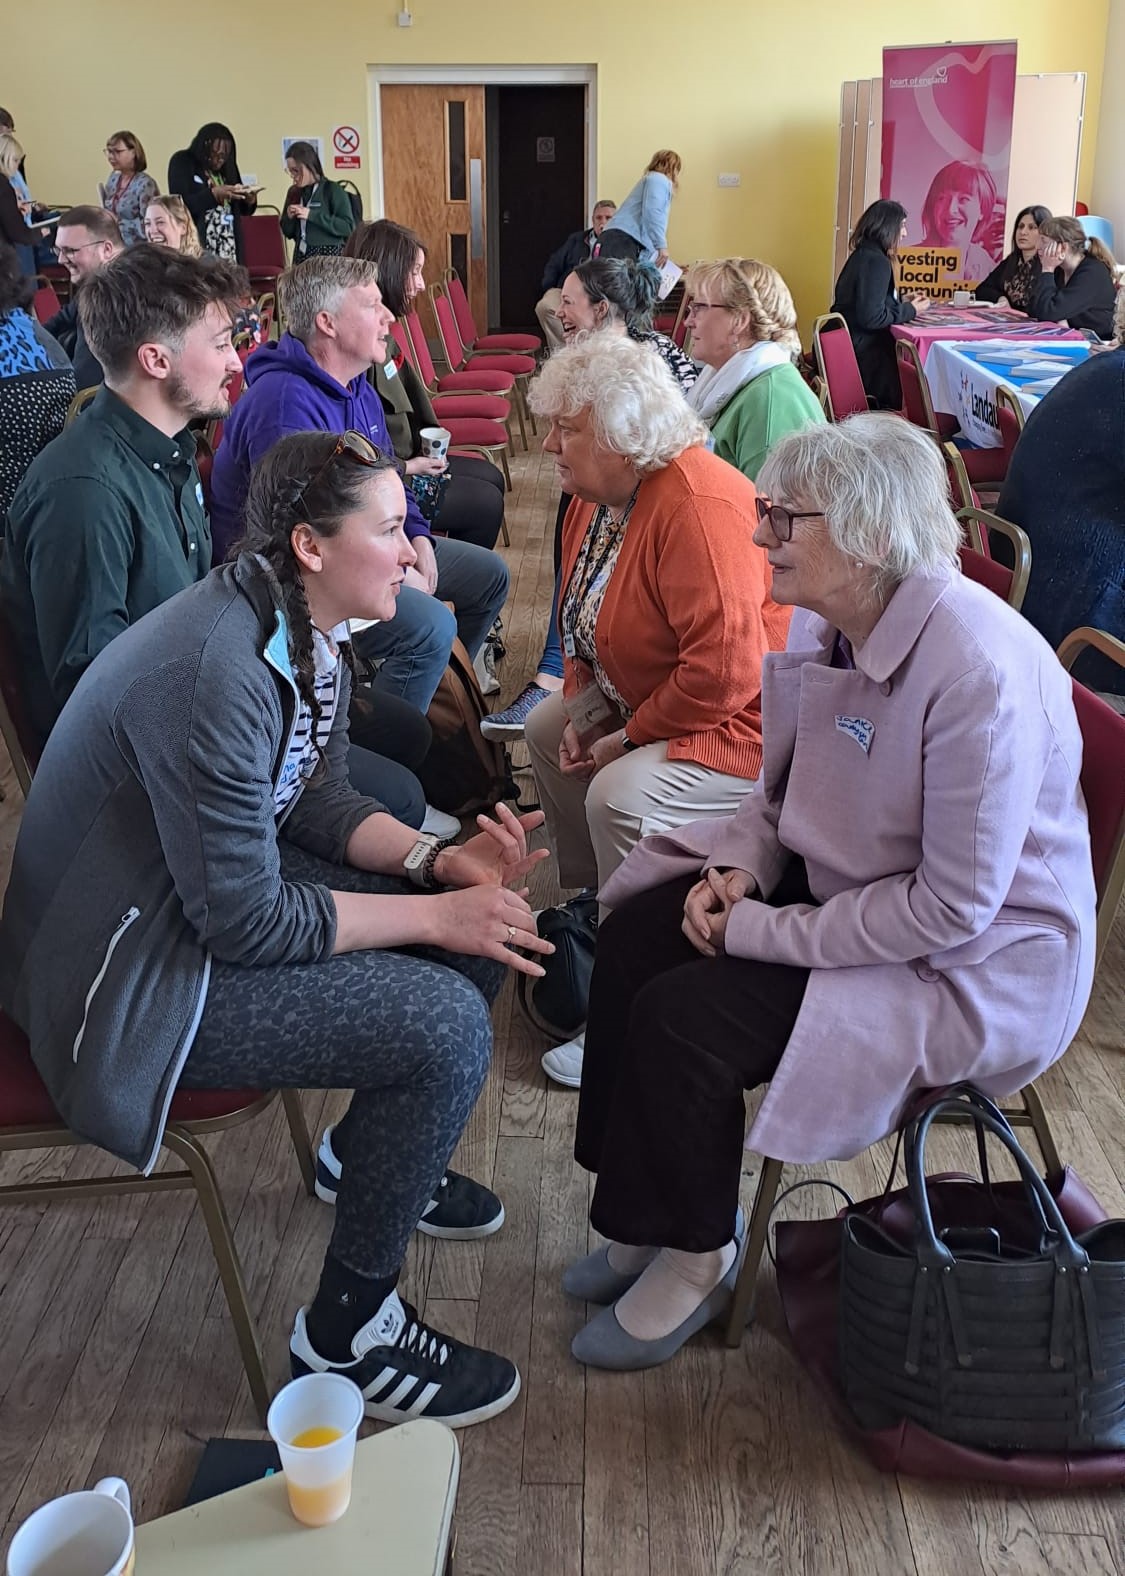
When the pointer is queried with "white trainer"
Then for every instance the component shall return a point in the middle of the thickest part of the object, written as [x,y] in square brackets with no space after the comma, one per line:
[439,824]
[563,1063]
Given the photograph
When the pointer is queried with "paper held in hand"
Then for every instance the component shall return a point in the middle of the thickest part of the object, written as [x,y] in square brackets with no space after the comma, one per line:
[670,276]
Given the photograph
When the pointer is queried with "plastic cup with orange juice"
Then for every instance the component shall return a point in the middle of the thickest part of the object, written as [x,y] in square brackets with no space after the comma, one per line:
[313,1422]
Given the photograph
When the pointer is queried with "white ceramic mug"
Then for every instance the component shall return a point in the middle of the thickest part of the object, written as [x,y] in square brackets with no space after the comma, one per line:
[85,1534]
[963,298]
[435,442]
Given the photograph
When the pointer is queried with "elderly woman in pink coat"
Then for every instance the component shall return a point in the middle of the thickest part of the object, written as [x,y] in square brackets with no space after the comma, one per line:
[907,901]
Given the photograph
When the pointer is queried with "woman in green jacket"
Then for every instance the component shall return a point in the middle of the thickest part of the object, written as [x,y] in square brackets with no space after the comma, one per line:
[743,328]
[317,215]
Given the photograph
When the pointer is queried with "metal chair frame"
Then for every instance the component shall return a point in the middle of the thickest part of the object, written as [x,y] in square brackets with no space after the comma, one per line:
[982,521]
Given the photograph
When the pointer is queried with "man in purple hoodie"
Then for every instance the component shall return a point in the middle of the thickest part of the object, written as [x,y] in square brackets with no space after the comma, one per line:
[313,380]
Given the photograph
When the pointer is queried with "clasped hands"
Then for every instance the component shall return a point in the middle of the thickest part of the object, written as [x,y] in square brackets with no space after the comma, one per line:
[708,905]
[576,760]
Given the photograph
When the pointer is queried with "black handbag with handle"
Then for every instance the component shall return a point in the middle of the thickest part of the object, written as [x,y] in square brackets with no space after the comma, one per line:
[557,1002]
[1003,1340]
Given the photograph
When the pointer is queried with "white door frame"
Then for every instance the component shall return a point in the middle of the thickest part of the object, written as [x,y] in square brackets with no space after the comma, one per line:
[486,76]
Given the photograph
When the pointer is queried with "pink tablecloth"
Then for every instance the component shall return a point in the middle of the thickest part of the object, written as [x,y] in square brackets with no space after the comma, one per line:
[976,322]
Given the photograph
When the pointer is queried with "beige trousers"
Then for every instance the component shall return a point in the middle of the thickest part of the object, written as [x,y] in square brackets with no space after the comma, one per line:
[546,312]
[593,824]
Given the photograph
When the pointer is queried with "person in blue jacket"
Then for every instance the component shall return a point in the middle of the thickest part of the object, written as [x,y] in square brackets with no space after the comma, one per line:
[638,230]
[315,380]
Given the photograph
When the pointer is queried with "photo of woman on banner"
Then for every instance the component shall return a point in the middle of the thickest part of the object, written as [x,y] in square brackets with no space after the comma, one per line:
[961,213]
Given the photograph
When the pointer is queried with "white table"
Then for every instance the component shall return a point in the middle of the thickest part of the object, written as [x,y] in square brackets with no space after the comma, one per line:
[398,1523]
[964,376]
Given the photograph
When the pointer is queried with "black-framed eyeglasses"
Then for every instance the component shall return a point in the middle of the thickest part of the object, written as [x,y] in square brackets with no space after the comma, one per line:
[64,253]
[780,518]
[349,445]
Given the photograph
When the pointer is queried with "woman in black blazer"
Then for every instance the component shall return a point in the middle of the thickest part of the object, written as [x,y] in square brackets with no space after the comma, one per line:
[869,303]
[1078,284]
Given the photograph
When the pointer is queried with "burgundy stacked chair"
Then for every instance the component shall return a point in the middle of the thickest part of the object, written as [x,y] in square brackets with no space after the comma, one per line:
[46,303]
[917,406]
[520,367]
[481,380]
[263,250]
[1010,585]
[528,344]
[836,362]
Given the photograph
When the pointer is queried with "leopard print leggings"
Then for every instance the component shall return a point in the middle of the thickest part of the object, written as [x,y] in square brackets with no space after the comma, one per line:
[409,1031]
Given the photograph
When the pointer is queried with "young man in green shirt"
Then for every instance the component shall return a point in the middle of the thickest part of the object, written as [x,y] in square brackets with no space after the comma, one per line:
[109,520]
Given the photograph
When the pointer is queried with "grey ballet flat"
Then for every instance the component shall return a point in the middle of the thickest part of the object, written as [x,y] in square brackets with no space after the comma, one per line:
[604,1344]
[594,1279]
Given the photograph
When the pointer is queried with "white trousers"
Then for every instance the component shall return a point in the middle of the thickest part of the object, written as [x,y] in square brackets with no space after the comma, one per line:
[593,824]
[547,313]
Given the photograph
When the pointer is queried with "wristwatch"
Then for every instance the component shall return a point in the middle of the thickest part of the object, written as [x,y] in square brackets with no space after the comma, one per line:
[627,743]
[420,861]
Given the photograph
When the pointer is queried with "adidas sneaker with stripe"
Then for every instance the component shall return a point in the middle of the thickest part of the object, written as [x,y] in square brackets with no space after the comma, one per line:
[407,1370]
[460,1211]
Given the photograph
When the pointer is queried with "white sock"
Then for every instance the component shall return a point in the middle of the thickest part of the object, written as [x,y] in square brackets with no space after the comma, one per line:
[630,1261]
[670,1290]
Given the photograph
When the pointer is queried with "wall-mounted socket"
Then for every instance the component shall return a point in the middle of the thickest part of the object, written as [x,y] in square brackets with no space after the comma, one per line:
[730,180]
[405,19]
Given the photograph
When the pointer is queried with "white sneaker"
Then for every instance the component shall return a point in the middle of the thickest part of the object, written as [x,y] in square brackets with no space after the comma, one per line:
[563,1063]
[440,824]
[489,683]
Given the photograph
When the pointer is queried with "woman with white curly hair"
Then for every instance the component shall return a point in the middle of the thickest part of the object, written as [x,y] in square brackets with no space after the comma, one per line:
[665,616]
[743,328]
[907,901]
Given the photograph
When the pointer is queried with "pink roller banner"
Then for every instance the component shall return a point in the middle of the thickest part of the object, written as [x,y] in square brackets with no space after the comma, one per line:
[947,134]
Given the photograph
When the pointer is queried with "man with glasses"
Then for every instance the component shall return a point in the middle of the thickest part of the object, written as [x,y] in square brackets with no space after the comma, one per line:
[87,238]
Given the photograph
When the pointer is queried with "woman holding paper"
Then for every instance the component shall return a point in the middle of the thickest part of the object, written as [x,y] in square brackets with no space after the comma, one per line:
[867,299]
[206,176]
[639,228]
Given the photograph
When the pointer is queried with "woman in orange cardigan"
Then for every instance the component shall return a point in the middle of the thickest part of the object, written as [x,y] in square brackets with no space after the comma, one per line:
[665,616]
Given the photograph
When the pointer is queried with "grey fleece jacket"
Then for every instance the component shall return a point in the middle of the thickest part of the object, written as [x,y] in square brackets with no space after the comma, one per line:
[149,845]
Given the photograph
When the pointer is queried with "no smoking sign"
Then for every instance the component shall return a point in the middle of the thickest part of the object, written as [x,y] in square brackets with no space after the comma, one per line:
[345,148]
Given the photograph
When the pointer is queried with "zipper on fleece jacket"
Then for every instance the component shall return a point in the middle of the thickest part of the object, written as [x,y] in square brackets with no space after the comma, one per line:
[126,920]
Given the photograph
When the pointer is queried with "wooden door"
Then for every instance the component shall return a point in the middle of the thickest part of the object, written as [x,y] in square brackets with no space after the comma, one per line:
[433,179]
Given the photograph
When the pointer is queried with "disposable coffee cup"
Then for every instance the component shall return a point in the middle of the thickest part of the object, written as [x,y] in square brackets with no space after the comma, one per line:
[85,1534]
[962,298]
[313,1422]
[435,442]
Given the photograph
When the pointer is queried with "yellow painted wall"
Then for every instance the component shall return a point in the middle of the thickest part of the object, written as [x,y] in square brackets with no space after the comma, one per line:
[732,84]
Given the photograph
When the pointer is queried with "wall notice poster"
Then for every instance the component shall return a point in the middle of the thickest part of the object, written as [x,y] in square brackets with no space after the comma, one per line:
[947,134]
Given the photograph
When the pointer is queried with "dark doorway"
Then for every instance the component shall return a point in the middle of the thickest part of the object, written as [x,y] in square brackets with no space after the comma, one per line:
[536,190]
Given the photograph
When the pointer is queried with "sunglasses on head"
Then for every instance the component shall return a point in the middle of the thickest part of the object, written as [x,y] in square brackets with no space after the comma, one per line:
[352,446]
[780,518]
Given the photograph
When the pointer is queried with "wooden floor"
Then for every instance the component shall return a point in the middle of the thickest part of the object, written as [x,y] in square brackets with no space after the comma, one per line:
[117,1356]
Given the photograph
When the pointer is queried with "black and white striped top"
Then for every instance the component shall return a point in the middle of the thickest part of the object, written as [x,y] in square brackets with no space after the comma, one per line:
[301,756]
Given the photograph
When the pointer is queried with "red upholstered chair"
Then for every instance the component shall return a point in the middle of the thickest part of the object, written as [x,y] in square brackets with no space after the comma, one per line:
[917,405]
[1103,787]
[528,344]
[1103,774]
[28,1120]
[960,486]
[520,367]
[835,359]
[23,745]
[1008,584]
[46,303]
[263,249]
[412,340]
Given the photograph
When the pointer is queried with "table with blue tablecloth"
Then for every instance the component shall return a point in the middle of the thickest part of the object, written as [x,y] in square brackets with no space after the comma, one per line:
[964,376]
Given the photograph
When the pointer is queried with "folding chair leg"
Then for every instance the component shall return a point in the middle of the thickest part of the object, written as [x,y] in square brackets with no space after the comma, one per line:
[530,413]
[299,1132]
[226,1257]
[746,1286]
[520,403]
[1040,1126]
[507,473]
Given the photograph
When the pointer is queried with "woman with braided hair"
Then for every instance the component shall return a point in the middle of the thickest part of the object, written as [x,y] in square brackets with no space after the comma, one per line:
[257,923]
